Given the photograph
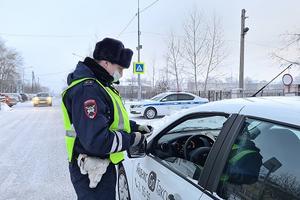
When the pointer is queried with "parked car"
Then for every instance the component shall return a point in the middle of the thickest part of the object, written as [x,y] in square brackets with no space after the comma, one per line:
[231,149]
[2,98]
[24,97]
[31,96]
[165,103]
[15,96]
[10,100]
[42,98]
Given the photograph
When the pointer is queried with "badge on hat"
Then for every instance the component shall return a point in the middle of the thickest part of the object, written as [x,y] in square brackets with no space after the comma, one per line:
[90,108]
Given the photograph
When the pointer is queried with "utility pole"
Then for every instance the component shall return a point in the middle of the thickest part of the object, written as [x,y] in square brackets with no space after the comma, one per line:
[32,81]
[244,30]
[38,85]
[138,48]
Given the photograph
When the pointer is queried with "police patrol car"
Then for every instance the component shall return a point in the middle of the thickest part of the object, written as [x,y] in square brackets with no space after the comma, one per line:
[232,149]
[165,103]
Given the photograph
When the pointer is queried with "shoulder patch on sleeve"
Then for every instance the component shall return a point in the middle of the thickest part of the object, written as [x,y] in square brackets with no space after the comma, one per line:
[88,82]
[90,108]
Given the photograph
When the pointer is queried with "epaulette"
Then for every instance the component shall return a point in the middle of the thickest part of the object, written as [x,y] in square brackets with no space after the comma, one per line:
[88,82]
[114,89]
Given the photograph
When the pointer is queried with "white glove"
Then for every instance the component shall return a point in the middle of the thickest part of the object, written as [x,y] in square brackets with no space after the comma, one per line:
[80,163]
[94,167]
[146,130]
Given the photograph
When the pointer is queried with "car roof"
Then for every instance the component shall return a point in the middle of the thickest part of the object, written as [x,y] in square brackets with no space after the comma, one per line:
[283,109]
[173,92]
[43,93]
[164,94]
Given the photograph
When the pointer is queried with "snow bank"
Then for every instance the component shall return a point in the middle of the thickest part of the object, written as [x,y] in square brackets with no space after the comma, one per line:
[5,107]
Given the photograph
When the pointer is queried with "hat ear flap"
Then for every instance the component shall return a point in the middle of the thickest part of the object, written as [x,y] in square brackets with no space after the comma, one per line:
[125,58]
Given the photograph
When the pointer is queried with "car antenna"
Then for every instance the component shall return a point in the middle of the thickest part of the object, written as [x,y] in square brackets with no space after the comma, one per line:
[254,95]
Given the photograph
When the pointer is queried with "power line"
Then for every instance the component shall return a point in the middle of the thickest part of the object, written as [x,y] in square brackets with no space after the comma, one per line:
[122,32]
[135,17]
[72,36]
[149,6]
[43,35]
[127,25]
[235,41]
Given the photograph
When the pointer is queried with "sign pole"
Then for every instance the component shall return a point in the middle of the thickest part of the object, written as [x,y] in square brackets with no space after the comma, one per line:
[138,48]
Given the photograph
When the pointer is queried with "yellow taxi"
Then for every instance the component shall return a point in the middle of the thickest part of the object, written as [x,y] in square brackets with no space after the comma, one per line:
[42,98]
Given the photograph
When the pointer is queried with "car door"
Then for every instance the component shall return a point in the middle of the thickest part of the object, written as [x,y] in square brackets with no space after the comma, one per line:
[168,104]
[260,161]
[166,173]
[185,101]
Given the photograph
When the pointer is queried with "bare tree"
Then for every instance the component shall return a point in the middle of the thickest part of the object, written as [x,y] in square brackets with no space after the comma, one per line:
[153,72]
[204,46]
[174,57]
[292,40]
[285,186]
[10,60]
[289,52]
[195,43]
[161,85]
[167,72]
[215,48]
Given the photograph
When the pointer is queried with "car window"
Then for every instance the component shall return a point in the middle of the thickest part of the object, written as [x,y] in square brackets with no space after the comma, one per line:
[212,122]
[185,147]
[185,97]
[171,97]
[263,163]
[158,97]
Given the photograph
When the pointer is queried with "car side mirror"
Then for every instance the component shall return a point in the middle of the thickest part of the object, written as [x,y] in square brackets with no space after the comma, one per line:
[137,151]
[163,100]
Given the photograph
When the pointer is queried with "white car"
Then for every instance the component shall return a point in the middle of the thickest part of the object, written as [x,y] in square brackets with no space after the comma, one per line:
[232,149]
[166,103]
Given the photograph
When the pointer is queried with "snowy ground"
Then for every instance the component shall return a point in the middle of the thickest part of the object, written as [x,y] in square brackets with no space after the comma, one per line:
[33,162]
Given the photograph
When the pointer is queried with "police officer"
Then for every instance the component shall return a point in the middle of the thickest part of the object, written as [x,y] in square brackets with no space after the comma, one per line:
[243,165]
[97,126]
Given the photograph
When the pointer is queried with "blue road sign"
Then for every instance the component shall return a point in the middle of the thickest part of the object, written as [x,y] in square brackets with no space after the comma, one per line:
[138,68]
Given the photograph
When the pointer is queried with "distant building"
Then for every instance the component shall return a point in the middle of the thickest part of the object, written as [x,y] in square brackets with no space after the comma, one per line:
[292,90]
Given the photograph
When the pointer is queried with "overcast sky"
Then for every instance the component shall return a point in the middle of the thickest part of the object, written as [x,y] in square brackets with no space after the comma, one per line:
[48,33]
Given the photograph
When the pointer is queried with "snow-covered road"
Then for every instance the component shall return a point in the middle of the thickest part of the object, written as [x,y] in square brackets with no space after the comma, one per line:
[33,160]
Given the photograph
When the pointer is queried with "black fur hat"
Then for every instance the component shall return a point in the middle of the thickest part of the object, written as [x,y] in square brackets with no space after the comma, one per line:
[125,58]
[113,51]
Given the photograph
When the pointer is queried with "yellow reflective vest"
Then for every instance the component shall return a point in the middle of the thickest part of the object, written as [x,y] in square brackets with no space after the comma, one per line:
[121,120]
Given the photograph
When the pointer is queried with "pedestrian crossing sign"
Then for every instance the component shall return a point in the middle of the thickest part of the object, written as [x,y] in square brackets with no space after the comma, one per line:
[138,67]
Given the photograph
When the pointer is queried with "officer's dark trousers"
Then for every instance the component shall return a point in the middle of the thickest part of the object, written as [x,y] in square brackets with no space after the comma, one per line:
[105,190]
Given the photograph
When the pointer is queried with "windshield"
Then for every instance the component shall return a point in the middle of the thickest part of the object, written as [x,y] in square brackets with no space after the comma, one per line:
[201,124]
[42,95]
[158,97]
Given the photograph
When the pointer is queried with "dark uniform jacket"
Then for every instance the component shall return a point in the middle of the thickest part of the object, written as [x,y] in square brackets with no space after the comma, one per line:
[93,135]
